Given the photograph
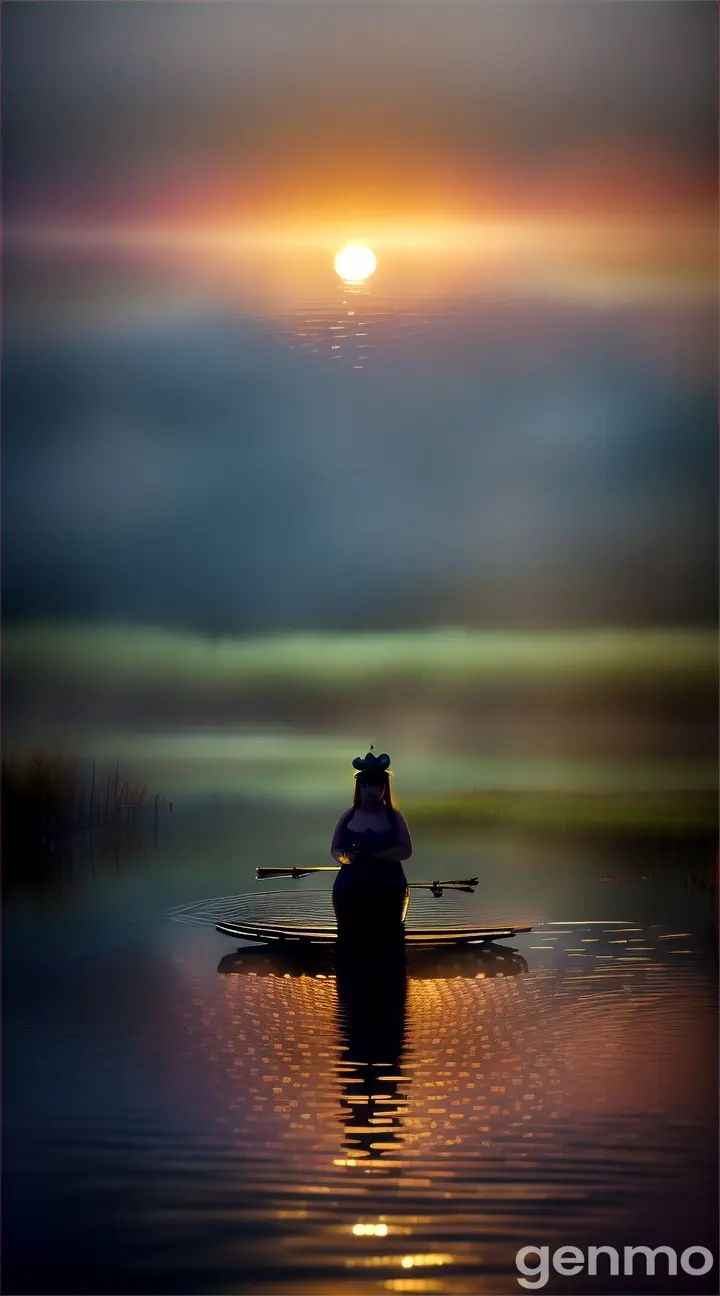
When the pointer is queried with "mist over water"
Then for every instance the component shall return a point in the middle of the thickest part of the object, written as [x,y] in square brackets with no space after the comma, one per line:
[509,463]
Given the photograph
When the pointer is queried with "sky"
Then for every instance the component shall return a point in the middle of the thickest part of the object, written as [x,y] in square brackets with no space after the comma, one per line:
[198,434]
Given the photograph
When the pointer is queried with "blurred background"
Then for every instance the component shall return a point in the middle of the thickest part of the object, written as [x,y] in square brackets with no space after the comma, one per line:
[256,517]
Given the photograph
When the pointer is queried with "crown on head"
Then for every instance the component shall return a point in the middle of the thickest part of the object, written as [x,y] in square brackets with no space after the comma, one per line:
[372,764]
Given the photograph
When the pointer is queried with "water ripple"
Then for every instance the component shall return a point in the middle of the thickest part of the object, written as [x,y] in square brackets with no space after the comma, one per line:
[416,1130]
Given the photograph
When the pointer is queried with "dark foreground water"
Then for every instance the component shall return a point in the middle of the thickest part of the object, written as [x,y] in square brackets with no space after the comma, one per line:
[180,1121]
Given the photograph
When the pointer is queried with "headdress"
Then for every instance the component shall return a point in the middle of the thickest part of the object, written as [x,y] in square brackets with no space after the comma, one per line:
[371,764]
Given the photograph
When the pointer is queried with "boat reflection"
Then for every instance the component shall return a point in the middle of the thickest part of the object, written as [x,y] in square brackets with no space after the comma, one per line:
[298,959]
[371,1015]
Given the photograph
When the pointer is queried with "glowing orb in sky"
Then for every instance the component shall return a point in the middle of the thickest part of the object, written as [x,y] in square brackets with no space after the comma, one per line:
[355,263]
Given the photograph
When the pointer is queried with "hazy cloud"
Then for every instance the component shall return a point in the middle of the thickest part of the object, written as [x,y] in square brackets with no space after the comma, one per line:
[211,477]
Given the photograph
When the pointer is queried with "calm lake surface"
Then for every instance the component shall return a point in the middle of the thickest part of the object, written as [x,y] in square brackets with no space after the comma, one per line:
[174,1123]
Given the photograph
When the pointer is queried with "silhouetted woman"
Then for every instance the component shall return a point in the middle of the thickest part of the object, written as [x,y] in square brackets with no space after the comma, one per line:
[371,839]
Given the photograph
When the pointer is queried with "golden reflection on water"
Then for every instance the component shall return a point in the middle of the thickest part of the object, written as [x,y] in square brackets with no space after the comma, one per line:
[447,1108]
[344,332]
[337,331]
[413,1285]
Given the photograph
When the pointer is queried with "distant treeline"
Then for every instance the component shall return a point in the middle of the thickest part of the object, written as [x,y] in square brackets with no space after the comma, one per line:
[121,675]
[643,813]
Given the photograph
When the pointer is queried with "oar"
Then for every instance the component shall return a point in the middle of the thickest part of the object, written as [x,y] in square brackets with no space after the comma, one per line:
[437,888]
[457,884]
[466,883]
[295,872]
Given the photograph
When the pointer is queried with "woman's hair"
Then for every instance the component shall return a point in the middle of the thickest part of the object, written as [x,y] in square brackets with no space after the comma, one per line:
[387,798]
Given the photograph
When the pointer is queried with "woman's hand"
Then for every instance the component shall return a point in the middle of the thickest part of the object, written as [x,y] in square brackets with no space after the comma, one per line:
[348,857]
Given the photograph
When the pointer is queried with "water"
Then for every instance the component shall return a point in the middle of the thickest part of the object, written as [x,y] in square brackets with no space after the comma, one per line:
[181,1119]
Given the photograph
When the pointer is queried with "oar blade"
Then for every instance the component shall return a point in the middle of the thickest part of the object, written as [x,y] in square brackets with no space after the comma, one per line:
[283,872]
[459,882]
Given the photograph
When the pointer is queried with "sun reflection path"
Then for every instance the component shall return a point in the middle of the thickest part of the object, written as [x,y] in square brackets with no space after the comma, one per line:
[340,333]
[477,1105]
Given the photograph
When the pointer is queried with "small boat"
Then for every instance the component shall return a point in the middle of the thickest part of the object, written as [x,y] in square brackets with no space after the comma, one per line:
[311,918]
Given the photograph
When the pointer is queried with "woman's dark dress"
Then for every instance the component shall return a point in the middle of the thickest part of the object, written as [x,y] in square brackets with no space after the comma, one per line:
[369,893]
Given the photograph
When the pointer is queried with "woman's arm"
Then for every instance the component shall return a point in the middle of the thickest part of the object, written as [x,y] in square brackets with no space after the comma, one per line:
[403,850]
[337,850]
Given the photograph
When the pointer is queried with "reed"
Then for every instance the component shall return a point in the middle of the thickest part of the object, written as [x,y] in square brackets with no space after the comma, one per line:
[46,799]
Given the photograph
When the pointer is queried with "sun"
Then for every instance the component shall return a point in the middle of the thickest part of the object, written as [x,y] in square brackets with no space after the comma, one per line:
[355,263]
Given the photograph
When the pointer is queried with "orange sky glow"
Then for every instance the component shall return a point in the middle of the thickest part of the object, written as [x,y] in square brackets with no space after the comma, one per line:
[605,224]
